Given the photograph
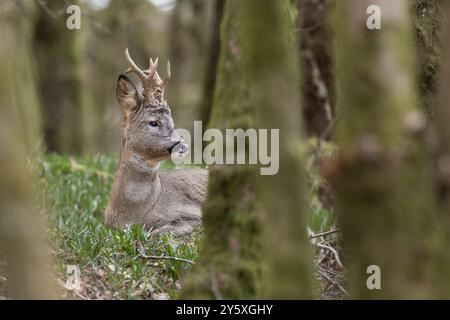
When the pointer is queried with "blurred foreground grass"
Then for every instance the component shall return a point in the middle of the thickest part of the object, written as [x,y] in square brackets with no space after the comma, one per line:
[73,193]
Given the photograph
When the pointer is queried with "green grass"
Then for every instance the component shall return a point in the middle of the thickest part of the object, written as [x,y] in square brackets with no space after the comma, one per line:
[73,193]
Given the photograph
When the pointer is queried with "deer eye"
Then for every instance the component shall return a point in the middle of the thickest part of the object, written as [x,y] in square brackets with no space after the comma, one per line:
[153,124]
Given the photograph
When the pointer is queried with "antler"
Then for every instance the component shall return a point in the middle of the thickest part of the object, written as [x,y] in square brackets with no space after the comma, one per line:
[160,83]
[146,76]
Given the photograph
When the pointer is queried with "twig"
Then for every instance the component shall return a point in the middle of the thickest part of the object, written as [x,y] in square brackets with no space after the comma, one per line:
[321,234]
[214,287]
[337,284]
[329,127]
[333,273]
[335,253]
[162,257]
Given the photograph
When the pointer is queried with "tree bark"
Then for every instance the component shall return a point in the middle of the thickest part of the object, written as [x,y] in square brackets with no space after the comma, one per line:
[229,258]
[382,176]
[440,138]
[428,24]
[213,60]
[316,66]
[274,83]
[26,255]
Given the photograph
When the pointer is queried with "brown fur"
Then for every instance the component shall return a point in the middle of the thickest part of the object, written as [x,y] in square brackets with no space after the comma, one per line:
[163,200]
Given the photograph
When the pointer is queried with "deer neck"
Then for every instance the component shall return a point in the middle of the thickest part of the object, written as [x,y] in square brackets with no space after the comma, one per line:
[139,178]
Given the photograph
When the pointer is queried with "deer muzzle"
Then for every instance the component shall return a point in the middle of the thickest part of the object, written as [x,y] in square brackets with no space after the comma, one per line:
[179,146]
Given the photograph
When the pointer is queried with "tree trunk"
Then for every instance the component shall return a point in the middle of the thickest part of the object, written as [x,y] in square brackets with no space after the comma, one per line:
[427,22]
[58,54]
[382,179]
[20,237]
[275,96]
[213,60]
[229,258]
[440,137]
[315,49]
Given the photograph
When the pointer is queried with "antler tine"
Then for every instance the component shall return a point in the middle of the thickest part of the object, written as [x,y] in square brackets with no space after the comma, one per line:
[145,78]
[134,67]
[161,83]
[167,76]
[156,75]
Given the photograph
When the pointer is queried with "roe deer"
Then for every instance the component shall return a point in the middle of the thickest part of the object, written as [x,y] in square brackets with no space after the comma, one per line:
[163,200]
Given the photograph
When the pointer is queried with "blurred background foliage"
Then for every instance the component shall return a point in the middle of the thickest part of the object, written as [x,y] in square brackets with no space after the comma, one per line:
[73,72]
[70,75]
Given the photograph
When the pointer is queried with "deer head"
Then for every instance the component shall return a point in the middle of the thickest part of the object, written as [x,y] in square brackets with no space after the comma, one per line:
[147,127]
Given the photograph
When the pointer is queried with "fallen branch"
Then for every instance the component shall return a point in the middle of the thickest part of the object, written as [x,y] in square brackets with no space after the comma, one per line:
[326,233]
[162,257]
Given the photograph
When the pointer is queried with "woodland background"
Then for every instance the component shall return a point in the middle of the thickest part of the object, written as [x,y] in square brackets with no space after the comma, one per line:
[364,174]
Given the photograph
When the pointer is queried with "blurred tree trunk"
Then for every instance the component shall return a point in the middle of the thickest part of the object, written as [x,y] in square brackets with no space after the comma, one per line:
[315,49]
[58,54]
[190,34]
[20,236]
[382,178]
[274,86]
[441,141]
[427,22]
[17,20]
[209,81]
[229,259]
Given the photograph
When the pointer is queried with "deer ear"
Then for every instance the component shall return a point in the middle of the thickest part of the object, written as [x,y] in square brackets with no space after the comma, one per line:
[126,93]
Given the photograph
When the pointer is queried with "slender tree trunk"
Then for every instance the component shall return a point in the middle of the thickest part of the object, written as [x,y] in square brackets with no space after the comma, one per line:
[20,237]
[316,61]
[229,259]
[427,22]
[213,60]
[385,202]
[275,96]
[58,55]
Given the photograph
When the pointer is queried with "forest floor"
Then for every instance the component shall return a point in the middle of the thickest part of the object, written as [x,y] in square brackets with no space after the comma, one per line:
[132,263]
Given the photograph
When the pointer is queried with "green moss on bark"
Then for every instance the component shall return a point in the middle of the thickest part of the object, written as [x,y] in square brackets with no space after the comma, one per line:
[428,23]
[228,265]
[271,54]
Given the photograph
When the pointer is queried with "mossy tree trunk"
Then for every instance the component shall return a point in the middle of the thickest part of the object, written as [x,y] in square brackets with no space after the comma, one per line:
[274,82]
[385,202]
[440,138]
[229,259]
[20,237]
[428,22]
